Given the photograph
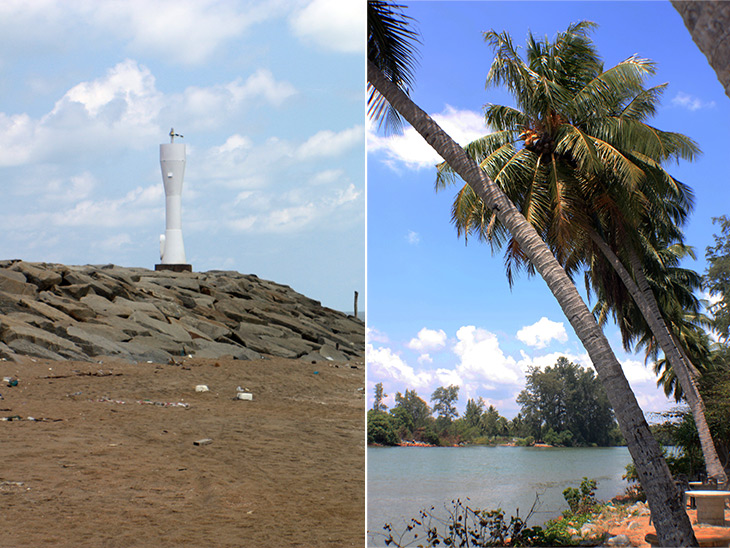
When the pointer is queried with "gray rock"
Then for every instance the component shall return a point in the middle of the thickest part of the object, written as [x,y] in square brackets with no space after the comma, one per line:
[142,352]
[38,321]
[16,284]
[27,348]
[214,330]
[139,314]
[332,353]
[237,310]
[75,309]
[108,332]
[194,333]
[212,349]
[145,307]
[7,353]
[104,307]
[170,309]
[174,332]
[292,347]
[43,278]
[591,530]
[248,330]
[160,341]
[177,280]
[77,290]
[125,327]
[619,540]
[94,344]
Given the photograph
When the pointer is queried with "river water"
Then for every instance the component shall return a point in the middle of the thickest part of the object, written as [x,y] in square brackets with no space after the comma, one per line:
[404,480]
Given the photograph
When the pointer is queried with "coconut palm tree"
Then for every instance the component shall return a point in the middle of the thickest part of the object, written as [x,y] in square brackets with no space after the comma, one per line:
[674,288]
[579,160]
[671,521]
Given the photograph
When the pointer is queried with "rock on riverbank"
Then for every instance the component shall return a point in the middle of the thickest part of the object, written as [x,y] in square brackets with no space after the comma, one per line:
[58,312]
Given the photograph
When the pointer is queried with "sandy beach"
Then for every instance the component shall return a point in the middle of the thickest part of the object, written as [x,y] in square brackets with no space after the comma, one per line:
[104,454]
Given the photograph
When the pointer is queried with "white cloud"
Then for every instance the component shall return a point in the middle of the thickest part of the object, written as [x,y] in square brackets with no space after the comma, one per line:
[209,107]
[117,110]
[428,339]
[184,31]
[141,206]
[412,237]
[71,189]
[549,360]
[327,177]
[636,372]
[115,242]
[540,334]
[261,84]
[300,213]
[330,143]
[482,359]
[124,109]
[337,25]
[383,363]
[128,81]
[373,335]
[691,103]
[412,151]
[425,358]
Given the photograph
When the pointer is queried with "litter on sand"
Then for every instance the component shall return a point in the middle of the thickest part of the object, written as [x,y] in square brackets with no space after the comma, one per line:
[146,402]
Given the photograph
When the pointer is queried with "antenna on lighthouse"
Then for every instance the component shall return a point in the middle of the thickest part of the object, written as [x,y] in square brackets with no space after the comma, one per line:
[173,135]
[172,164]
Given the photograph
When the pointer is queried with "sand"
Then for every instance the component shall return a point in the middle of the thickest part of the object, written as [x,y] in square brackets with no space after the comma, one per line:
[107,463]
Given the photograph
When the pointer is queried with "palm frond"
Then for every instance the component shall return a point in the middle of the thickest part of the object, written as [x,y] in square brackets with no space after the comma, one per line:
[392,48]
[482,150]
[644,104]
[601,95]
[504,118]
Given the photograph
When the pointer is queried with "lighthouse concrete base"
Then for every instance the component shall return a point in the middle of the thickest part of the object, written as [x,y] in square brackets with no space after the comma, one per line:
[175,267]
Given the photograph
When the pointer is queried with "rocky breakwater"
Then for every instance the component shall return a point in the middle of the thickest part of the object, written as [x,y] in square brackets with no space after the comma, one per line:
[58,312]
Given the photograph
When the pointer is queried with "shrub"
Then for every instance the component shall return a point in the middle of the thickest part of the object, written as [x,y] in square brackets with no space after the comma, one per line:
[583,499]
[380,429]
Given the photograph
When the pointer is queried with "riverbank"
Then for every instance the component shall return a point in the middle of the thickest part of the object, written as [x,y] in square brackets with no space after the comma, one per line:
[412,443]
[628,525]
[402,481]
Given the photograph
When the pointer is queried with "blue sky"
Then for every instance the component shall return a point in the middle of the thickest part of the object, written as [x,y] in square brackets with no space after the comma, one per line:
[440,312]
[268,95]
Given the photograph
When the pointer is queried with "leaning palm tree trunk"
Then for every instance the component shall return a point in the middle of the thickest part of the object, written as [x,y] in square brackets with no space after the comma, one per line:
[683,368]
[671,521]
[707,22]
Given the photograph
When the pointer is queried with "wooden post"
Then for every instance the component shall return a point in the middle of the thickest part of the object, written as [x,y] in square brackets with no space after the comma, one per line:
[355,307]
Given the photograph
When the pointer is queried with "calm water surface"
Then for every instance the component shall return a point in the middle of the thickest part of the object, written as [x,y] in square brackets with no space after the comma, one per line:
[404,480]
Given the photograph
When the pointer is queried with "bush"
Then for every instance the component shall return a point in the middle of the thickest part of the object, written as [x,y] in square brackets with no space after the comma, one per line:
[634,490]
[583,499]
[529,441]
[427,434]
[380,429]
[466,526]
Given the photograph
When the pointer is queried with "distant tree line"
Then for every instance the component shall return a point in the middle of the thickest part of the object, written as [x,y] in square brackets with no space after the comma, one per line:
[561,405]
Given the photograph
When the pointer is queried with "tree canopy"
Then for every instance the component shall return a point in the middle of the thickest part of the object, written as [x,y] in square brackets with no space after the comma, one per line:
[566,405]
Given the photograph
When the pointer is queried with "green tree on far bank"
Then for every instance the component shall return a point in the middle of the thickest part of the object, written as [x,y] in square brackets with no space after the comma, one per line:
[445,404]
[566,405]
[717,278]
[413,407]
[380,395]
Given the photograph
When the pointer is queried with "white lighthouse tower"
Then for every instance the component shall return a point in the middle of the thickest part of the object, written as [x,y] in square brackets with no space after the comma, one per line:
[172,163]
